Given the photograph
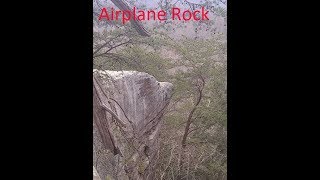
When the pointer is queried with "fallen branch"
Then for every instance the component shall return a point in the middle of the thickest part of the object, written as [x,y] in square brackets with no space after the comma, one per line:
[96,84]
[114,115]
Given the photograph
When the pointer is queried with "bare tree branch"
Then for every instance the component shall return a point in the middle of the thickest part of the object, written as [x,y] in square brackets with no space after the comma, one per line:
[113,47]
[189,121]
[200,87]
[106,43]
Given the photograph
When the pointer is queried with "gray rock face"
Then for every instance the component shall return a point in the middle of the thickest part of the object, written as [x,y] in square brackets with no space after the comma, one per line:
[95,174]
[127,110]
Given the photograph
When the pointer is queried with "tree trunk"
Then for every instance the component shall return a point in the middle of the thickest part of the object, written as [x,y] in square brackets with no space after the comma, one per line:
[187,128]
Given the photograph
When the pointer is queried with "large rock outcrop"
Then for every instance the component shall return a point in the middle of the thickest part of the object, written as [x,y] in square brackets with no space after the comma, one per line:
[127,110]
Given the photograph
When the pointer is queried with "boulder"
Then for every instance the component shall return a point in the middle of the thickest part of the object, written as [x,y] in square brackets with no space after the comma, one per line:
[127,111]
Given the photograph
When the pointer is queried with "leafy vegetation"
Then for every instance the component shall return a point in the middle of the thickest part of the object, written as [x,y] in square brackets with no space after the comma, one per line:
[194,134]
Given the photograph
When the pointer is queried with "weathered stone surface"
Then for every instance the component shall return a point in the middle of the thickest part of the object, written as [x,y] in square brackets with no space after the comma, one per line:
[95,174]
[125,143]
